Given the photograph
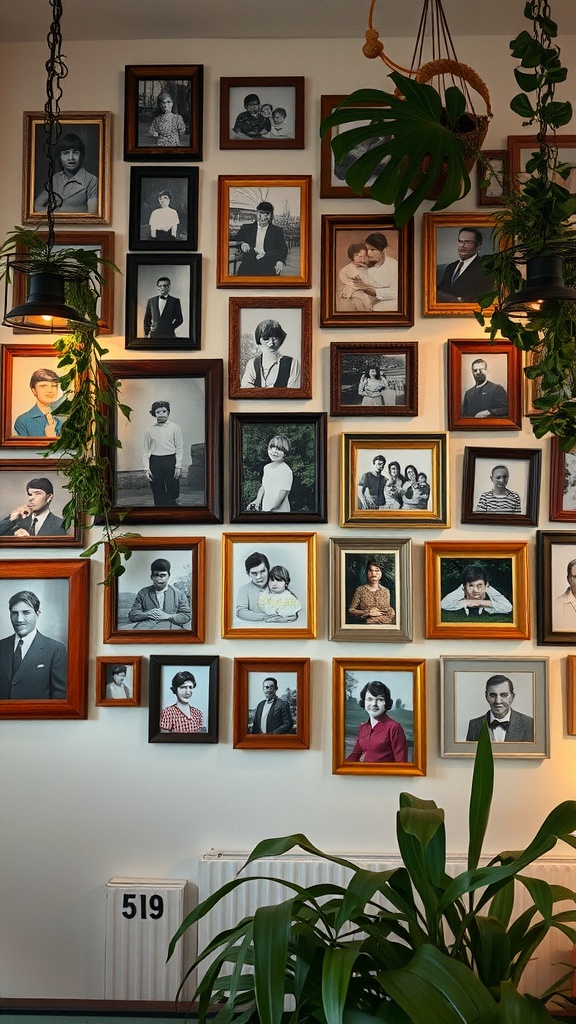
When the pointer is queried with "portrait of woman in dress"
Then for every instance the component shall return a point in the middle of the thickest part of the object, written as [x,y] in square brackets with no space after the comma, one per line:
[370,602]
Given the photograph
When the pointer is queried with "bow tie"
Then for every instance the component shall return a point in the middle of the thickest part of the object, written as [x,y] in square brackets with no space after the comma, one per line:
[495,724]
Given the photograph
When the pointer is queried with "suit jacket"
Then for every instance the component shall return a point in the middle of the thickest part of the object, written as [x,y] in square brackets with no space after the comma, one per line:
[279,717]
[51,527]
[521,728]
[175,604]
[162,325]
[42,674]
[468,286]
[486,396]
[275,249]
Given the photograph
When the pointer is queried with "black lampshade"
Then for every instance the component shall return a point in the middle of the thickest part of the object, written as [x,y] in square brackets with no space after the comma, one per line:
[45,309]
[544,283]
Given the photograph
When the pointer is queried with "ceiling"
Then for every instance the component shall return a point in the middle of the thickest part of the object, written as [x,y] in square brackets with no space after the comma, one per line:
[28,20]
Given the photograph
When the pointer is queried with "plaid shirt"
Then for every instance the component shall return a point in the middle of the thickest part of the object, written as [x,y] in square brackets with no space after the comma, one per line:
[174,720]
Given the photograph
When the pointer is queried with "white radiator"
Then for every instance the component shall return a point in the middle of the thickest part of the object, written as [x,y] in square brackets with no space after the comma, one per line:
[142,915]
[215,869]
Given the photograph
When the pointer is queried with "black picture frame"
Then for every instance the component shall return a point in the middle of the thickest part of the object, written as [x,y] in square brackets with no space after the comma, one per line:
[282,93]
[397,365]
[478,462]
[143,85]
[204,475]
[205,669]
[185,275]
[250,434]
[556,608]
[146,186]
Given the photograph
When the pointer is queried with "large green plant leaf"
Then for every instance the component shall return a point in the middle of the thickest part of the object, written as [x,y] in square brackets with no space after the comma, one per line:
[517,1009]
[336,970]
[271,935]
[490,947]
[480,796]
[433,987]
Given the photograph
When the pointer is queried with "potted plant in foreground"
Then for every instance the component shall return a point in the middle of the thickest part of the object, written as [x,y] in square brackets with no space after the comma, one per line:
[407,945]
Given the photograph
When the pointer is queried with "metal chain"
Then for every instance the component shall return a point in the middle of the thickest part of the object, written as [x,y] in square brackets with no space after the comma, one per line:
[56,70]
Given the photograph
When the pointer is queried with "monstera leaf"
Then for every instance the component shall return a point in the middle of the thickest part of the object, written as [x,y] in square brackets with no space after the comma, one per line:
[418,145]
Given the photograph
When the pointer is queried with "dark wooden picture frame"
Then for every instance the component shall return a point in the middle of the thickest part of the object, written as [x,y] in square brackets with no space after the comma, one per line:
[427,504]
[521,147]
[144,84]
[58,663]
[498,404]
[292,704]
[252,318]
[562,484]
[94,129]
[441,260]
[329,170]
[289,243]
[187,556]
[175,231]
[200,498]
[342,304]
[405,680]
[184,272]
[518,507]
[19,364]
[16,475]
[163,672]
[393,391]
[103,242]
[556,583]
[490,188]
[498,609]
[302,467]
[106,680]
[280,93]
[358,614]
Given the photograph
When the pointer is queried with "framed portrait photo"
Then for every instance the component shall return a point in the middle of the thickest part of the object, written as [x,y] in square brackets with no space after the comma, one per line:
[484,385]
[43,653]
[270,352]
[394,480]
[370,590]
[163,208]
[492,176]
[163,112]
[375,379]
[163,302]
[477,590]
[562,484]
[510,695]
[332,172]
[118,681]
[278,467]
[262,113]
[183,699]
[571,694]
[379,716]
[556,583]
[272,703]
[367,272]
[159,599]
[30,396]
[521,148]
[183,486]
[100,242]
[264,231]
[501,486]
[33,495]
[269,585]
[452,247]
[82,162]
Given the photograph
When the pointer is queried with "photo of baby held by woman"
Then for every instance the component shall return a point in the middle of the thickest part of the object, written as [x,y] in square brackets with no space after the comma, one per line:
[379,716]
[394,480]
[366,270]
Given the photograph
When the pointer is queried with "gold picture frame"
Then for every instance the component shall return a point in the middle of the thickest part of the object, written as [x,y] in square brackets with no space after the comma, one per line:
[441,259]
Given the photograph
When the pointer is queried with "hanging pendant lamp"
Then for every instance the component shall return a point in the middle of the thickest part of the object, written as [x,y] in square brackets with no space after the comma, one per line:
[544,284]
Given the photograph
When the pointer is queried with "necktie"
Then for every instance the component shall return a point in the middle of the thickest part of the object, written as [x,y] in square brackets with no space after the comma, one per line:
[457,271]
[32,530]
[17,657]
[495,724]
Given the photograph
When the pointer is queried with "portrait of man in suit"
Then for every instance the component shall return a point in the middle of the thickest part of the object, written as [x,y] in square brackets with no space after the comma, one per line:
[262,245]
[34,518]
[505,724]
[463,280]
[32,666]
[272,714]
[163,312]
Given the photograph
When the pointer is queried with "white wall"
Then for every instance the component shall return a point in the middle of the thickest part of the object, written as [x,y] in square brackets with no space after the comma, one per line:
[81,802]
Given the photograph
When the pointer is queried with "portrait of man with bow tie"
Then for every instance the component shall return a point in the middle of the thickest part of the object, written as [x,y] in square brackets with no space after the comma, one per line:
[505,724]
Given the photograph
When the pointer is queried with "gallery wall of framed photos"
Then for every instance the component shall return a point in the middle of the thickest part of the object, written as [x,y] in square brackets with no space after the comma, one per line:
[362,468]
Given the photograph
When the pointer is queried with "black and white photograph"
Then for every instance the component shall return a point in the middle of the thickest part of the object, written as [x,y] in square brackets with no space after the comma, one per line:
[556,582]
[183,697]
[278,467]
[501,486]
[163,112]
[42,674]
[163,302]
[31,396]
[510,695]
[370,590]
[261,113]
[453,245]
[118,681]
[163,208]
[272,703]
[160,596]
[33,497]
[562,484]
[332,172]
[374,380]
[269,583]
[270,348]
[264,231]
[81,179]
[492,177]
[484,385]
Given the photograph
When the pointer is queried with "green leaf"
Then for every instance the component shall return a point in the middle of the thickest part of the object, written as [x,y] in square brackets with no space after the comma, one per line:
[276,847]
[336,971]
[480,797]
[433,987]
[271,934]
[526,82]
[521,105]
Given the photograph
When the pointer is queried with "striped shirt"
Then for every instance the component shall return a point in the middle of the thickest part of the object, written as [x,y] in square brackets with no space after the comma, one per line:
[507,503]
